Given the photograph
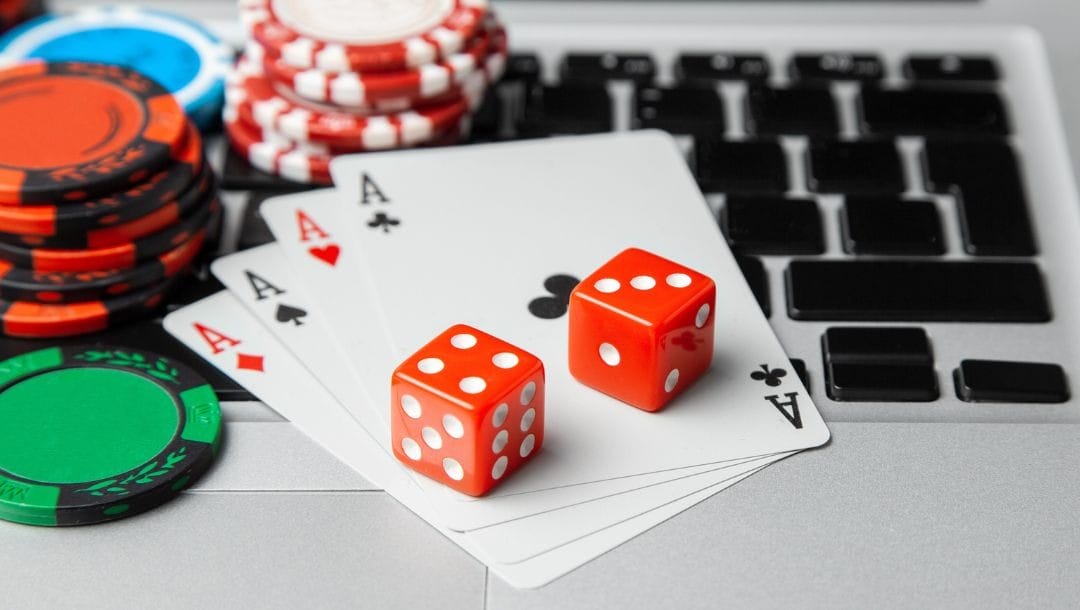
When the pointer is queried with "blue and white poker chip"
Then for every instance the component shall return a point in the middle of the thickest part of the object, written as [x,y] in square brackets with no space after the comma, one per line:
[180,54]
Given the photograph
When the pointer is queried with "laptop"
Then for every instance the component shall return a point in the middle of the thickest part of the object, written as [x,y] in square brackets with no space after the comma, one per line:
[896,180]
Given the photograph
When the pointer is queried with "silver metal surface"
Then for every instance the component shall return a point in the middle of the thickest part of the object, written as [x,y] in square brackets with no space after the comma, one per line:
[925,506]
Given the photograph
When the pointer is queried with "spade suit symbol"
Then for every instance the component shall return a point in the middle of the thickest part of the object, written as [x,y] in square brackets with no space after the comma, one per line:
[288,313]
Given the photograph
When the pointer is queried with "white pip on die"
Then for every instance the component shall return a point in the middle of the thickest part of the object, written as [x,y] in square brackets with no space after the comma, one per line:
[467,409]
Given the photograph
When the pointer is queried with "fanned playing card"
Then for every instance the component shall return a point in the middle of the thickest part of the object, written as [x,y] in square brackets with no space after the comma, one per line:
[492,236]
[262,280]
[223,332]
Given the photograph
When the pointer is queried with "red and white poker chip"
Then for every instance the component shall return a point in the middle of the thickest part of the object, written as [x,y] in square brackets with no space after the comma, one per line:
[274,153]
[367,89]
[277,156]
[258,102]
[363,35]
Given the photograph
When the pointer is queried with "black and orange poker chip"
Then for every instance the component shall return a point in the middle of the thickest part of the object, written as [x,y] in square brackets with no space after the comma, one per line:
[106,199]
[161,215]
[70,131]
[121,256]
[40,225]
[60,287]
[31,320]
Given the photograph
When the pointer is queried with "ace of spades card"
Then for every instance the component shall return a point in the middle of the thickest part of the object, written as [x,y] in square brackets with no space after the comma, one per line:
[482,237]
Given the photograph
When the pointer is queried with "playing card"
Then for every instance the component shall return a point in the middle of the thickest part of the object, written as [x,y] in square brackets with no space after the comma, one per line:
[487,235]
[527,539]
[545,568]
[261,279]
[219,329]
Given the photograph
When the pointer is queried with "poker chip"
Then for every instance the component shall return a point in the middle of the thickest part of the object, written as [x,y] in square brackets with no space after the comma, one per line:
[106,198]
[48,221]
[10,10]
[70,131]
[308,163]
[93,433]
[366,89]
[45,221]
[180,54]
[258,103]
[280,158]
[363,36]
[75,287]
[13,12]
[121,256]
[319,79]
[157,219]
[32,320]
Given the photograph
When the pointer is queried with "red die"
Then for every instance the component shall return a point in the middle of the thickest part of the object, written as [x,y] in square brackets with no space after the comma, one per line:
[467,409]
[641,328]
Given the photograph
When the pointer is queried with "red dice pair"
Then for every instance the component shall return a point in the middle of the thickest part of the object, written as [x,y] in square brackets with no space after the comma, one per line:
[468,408]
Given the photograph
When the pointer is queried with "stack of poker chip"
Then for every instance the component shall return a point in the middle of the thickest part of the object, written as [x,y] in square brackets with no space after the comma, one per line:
[178,53]
[105,197]
[323,78]
[14,12]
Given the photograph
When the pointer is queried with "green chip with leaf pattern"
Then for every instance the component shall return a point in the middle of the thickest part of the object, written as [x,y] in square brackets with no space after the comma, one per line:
[93,433]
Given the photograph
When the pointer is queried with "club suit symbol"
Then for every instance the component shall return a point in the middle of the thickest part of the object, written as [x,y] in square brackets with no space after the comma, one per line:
[384,221]
[555,306]
[771,377]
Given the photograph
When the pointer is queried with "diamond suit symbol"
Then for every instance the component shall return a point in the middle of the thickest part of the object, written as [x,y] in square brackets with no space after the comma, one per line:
[249,362]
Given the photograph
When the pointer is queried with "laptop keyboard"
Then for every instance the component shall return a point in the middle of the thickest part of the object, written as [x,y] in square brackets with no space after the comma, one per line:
[878,205]
[871,211]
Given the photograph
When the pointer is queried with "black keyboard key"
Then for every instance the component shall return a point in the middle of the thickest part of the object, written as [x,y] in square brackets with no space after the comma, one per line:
[994,219]
[791,112]
[860,168]
[758,279]
[487,121]
[876,346]
[523,68]
[933,112]
[881,382]
[985,178]
[253,229]
[741,167]
[916,291]
[951,163]
[772,225]
[800,370]
[195,286]
[712,67]
[592,68]
[212,246]
[567,110]
[1002,381]
[827,67]
[951,68]
[683,110]
[891,226]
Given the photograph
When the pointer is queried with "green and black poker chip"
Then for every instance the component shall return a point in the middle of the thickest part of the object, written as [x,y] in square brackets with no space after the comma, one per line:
[91,433]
